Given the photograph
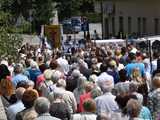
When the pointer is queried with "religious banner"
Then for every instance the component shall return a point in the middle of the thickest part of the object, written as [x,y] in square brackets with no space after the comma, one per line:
[53,33]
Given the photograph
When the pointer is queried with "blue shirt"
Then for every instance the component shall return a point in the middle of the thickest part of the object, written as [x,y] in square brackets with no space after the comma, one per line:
[19,77]
[114,74]
[129,68]
[145,113]
[14,109]
[33,73]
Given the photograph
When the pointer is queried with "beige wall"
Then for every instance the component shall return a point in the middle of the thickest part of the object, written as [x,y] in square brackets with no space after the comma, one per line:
[150,9]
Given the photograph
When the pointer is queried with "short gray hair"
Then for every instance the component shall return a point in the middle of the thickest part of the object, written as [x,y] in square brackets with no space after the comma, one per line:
[106,85]
[76,73]
[42,105]
[18,68]
[30,83]
[56,76]
[81,81]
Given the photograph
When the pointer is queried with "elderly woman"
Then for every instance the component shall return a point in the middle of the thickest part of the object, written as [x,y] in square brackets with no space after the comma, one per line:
[154,98]
[85,96]
[80,89]
[46,87]
[42,106]
[28,99]
[89,106]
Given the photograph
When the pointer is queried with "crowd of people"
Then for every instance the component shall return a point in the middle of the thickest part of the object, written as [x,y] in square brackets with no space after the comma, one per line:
[91,83]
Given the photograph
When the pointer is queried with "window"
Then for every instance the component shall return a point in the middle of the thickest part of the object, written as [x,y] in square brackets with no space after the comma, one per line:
[144,25]
[156,24]
[120,24]
[129,25]
[139,25]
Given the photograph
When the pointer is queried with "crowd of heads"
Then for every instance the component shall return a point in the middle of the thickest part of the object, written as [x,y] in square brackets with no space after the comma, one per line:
[106,82]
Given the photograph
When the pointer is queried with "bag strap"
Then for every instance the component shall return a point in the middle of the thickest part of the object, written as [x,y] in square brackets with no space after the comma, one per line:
[50,89]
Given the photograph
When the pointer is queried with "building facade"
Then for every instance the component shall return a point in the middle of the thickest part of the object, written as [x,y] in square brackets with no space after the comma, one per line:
[141,17]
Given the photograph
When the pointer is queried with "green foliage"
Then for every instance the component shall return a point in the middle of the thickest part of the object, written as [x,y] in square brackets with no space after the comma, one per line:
[9,43]
[37,12]
[42,12]
[68,8]
[93,17]
[24,27]
[4,18]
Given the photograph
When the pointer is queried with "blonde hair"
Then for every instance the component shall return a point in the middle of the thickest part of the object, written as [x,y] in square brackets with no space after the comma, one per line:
[31,115]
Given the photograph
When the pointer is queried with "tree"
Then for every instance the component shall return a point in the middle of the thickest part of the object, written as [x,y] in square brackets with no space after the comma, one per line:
[37,12]
[68,8]
[42,12]
[9,43]
[86,6]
